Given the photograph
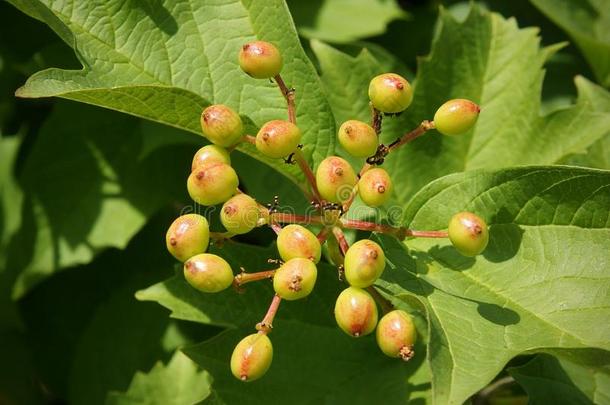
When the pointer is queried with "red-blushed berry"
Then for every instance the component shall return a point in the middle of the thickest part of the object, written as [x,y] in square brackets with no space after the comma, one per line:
[187,236]
[212,184]
[456,117]
[356,312]
[297,241]
[278,139]
[210,154]
[396,334]
[375,187]
[364,263]
[335,179]
[240,214]
[252,357]
[468,233]
[208,273]
[221,125]
[390,93]
[358,138]
[260,59]
[295,279]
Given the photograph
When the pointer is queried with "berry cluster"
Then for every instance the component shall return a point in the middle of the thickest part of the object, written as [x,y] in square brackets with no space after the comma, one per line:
[332,189]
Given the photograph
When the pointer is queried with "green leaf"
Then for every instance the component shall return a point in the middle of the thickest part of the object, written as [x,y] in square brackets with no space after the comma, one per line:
[178,383]
[566,379]
[588,23]
[542,282]
[165,63]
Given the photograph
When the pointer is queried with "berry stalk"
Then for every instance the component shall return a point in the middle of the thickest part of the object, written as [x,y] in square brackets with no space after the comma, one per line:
[266,325]
[385,304]
[244,278]
[340,236]
[289,96]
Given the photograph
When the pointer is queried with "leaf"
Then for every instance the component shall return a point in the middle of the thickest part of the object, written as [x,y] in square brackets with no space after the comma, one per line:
[587,22]
[188,59]
[566,380]
[344,20]
[541,283]
[180,382]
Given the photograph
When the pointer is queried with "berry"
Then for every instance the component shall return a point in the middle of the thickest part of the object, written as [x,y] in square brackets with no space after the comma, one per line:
[390,93]
[295,279]
[212,184]
[356,312]
[208,273]
[240,214]
[277,138]
[358,139]
[260,59]
[468,233]
[396,334]
[221,125]
[210,154]
[335,179]
[252,357]
[187,236]
[364,263]
[297,241]
[375,187]
[456,116]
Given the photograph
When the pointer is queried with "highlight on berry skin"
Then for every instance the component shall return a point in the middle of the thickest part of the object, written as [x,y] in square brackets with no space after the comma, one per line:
[212,184]
[296,241]
[208,273]
[252,357]
[260,59]
[210,154]
[240,214]
[375,187]
[468,233]
[295,279]
[221,125]
[335,178]
[390,93]
[396,334]
[358,138]
[188,236]
[456,116]
[364,263]
[356,312]
[278,138]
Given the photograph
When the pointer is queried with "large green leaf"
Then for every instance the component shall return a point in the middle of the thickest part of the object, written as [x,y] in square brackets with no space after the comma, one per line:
[541,284]
[165,60]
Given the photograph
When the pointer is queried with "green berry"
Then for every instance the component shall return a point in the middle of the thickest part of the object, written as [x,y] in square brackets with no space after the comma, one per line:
[390,93]
[356,312]
[210,154]
[252,357]
[335,179]
[456,116]
[396,334]
[358,139]
[295,279]
[297,241]
[278,139]
[375,187]
[212,184]
[221,125]
[240,214]
[208,273]
[260,59]
[187,236]
[468,233]
[364,263]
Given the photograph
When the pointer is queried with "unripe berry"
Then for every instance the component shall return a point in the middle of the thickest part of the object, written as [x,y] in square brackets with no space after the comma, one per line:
[295,279]
[277,138]
[358,138]
[187,236]
[468,233]
[297,241]
[356,312]
[390,93]
[212,184]
[252,357]
[375,187]
[364,263]
[396,334]
[210,154]
[208,273]
[456,116]
[260,59]
[335,179]
[240,214]
[221,125]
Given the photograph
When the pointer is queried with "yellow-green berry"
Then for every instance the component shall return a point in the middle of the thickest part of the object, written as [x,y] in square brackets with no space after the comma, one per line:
[208,273]
[456,117]
[187,236]
[252,357]
[240,214]
[278,139]
[212,184]
[335,179]
[468,233]
[210,154]
[297,241]
[364,263]
[375,187]
[260,59]
[358,138]
[356,312]
[221,125]
[295,279]
[390,93]
[396,334]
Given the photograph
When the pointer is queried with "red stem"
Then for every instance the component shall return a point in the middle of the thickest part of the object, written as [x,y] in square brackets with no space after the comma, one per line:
[343,245]
[265,326]
[244,278]
[322,235]
[289,96]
